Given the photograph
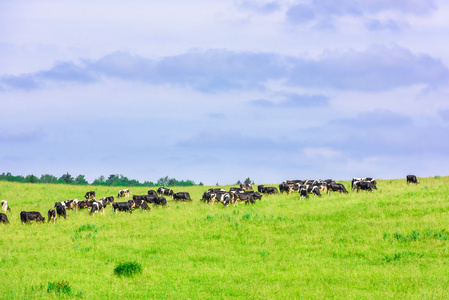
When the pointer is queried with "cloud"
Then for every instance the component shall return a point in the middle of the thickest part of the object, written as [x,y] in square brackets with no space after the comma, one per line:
[324,11]
[389,25]
[444,114]
[293,100]
[375,69]
[375,119]
[21,135]
[261,7]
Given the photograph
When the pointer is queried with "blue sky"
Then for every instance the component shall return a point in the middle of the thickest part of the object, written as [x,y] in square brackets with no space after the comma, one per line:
[217,91]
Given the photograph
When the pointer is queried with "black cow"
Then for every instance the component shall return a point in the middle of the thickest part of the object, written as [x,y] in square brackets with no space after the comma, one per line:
[218,190]
[84,204]
[60,210]
[242,197]
[156,200]
[336,187]
[363,185]
[28,216]
[372,181]
[260,188]
[182,196]
[90,195]
[3,218]
[412,179]
[206,196]
[122,206]
[141,197]
[123,193]
[152,193]
[283,187]
[270,190]
[256,195]
[51,215]
[5,206]
[294,182]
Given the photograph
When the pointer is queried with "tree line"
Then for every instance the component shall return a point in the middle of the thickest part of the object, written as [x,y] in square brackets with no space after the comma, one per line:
[112,180]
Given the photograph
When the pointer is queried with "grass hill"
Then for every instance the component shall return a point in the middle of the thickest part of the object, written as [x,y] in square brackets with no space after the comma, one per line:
[391,244]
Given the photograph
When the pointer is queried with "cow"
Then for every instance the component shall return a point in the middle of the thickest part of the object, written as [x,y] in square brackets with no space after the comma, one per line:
[157,200]
[302,189]
[246,186]
[123,193]
[363,185]
[412,179]
[260,188]
[182,196]
[60,210]
[152,193]
[220,197]
[283,187]
[83,204]
[28,216]
[51,215]
[233,189]
[336,187]
[5,206]
[3,218]
[164,191]
[122,206]
[372,181]
[294,182]
[90,195]
[218,190]
[139,204]
[97,206]
[256,195]
[141,197]
[270,190]
[206,196]
[69,204]
[242,197]
[107,200]
[315,190]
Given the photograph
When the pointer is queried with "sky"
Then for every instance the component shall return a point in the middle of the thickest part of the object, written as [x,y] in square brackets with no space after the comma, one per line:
[218,91]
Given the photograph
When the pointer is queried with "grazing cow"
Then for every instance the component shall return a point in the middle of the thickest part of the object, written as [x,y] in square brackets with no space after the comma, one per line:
[164,191]
[152,193]
[51,215]
[256,195]
[206,196]
[107,200]
[294,182]
[122,206]
[363,185]
[218,190]
[246,186]
[270,190]
[157,200]
[123,193]
[97,206]
[233,189]
[242,197]
[69,204]
[182,196]
[336,187]
[28,216]
[60,210]
[302,189]
[3,218]
[260,188]
[412,179]
[315,190]
[90,195]
[283,187]
[220,197]
[84,204]
[5,206]
[139,204]
[141,197]
[372,181]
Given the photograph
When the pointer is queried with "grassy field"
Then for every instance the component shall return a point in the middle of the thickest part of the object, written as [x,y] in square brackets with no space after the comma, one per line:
[389,244]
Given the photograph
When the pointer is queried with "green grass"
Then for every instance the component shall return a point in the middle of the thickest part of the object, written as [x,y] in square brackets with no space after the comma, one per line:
[390,244]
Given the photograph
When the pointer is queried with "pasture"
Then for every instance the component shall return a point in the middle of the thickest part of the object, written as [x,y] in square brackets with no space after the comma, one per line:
[392,243]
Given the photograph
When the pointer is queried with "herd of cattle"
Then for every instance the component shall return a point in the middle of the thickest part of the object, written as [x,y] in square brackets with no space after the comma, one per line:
[235,195]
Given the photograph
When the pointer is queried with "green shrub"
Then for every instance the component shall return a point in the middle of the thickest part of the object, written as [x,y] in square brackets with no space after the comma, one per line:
[128,269]
[60,287]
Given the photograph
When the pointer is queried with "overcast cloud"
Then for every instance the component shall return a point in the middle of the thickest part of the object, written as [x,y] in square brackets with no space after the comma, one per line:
[219,91]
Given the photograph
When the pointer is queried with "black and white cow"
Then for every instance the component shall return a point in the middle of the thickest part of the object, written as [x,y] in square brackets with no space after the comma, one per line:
[28,216]
[157,200]
[412,179]
[84,204]
[164,191]
[283,187]
[371,180]
[97,207]
[314,189]
[220,197]
[51,215]
[302,189]
[363,185]
[107,200]
[336,187]
[60,209]
[123,193]
[5,206]
[218,190]
[182,196]
[246,186]
[139,204]
[3,218]
[240,197]
[122,206]
[90,195]
[69,204]
[260,188]
[270,190]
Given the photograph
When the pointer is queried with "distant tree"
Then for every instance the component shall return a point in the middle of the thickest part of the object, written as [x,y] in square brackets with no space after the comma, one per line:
[31,179]
[47,178]
[67,178]
[238,182]
[201,184]
[99,181]
[247,181]
[80,180]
